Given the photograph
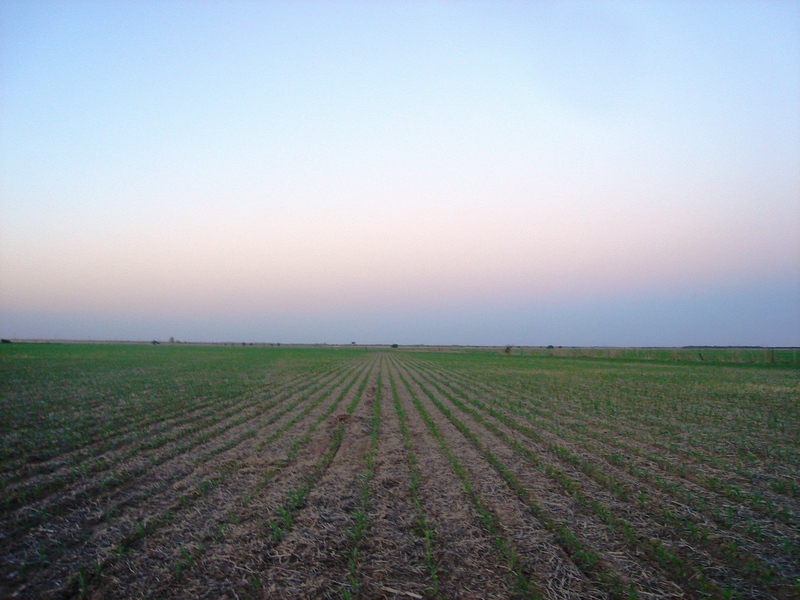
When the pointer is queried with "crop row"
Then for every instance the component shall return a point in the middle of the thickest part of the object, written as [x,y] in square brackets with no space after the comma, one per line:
[404,474]
[189,482]
[661,473]
[276,523]
[689,530]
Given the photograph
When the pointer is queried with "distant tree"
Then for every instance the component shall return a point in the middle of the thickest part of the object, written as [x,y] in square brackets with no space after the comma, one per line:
[394,345]
[172,340]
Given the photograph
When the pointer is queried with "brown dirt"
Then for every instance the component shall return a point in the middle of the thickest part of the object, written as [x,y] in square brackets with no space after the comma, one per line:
[466,558]
[312,556]
[535,544]
[392,555]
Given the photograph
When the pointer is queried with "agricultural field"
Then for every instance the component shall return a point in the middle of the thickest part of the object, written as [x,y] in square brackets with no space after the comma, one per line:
[134,471]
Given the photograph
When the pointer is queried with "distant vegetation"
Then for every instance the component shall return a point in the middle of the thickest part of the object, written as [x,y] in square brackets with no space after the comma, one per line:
[724,354]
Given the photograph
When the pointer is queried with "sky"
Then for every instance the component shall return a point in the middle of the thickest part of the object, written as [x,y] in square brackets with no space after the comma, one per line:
[479,173]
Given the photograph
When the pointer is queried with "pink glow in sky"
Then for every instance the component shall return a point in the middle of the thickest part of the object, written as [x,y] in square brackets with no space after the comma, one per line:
[437,173]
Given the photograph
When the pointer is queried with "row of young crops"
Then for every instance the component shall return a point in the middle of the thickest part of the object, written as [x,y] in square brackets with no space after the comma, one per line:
[262,472]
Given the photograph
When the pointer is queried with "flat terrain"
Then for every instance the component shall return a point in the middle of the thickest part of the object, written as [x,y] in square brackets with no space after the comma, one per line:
[169,471]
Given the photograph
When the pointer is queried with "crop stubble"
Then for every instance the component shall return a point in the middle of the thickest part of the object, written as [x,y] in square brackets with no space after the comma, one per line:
[355,473]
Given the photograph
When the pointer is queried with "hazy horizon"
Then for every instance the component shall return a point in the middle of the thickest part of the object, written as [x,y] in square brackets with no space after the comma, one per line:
[574,174]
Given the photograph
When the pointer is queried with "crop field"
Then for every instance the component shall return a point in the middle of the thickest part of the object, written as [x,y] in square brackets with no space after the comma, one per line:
[139,471]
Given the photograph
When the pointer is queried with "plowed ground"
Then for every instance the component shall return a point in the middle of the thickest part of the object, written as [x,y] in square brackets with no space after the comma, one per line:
[214,472]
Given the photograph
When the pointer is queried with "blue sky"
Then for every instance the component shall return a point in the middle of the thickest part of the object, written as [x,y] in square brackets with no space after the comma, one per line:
[489,173]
